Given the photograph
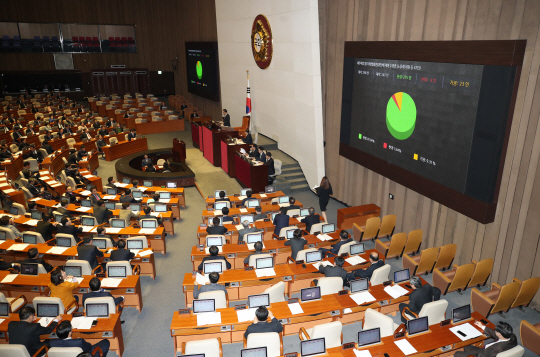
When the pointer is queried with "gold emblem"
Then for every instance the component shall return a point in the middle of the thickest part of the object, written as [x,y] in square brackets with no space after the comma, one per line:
[261,41]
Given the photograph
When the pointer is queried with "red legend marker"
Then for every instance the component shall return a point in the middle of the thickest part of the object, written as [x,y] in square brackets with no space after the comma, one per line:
[384,145]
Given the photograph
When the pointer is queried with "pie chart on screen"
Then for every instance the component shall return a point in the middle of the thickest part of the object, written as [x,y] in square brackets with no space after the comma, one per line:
[401,115]
[199,69]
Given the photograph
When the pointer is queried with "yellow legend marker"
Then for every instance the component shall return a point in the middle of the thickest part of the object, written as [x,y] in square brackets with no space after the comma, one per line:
[416,156]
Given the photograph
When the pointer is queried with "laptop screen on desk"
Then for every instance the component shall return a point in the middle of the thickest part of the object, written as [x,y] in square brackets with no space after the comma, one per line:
[254,237]
[164,195]
[29,238]
[63,242]
[36,215]
[171,184]
[135,207]
[217,241]
[312,257]
[86,203]
[309,294]
[99,243]
[118,223]
[111,191]
[216,193]
[289,234]
[97,310]
[313,347]
[206,305]
[212,267]
[283,199]
[244,191]
[160,207]
[137,194]
[29,269]
[148,183]
[369,337]
[134,244]
[359,285]
[252,203]
[417,325]
[254,352]
[58,218]
[47,195]
[220,205]
[47,310]
[461,313]
[116,272]
[14,211]
[328,228]
[270,189]
[88,221]
[263,263]
[304,212]
[126,180]
[357,248]
[4,309]
[110,205]
[246,217]
[255,301]
[401,275]
[75,271]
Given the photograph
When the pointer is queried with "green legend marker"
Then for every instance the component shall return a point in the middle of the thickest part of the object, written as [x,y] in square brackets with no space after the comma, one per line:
[199,69]
[360,136]
[401,115]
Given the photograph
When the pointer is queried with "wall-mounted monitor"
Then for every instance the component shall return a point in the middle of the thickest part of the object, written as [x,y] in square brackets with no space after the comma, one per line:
[202,67]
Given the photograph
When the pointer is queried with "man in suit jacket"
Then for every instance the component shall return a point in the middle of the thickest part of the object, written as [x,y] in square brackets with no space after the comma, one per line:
[248,139]
[86,135]
[63,209]
[504,340]
[226,118]
[214,251]
[213,286]
[47,147]
[64,332]
[311,219]
[258,250]
[94,197]
[68,228]
[216,228]
[120,253]
[89,252]
[126,213]
[82,153]
[16,135]
[258,214]
[281,220]
[146,161]
[222,197]
[297,243]
[128,197]
[245,230]
[45,227]
[30,131]
[260,325]
[262,155]
[102,235]
[26,332]
[335,247]
[292,204]
[103,131]
[96,291]
[72,157]
[419,296]
[337,270]
[132,134]
[368,272]
[253,151]
[271,168]
[248,197]
[33,258]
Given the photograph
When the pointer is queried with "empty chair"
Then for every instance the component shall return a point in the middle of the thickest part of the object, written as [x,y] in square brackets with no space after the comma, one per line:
[9,233]
[20,208]
[293,212]
[527,291]
[423,263]
[56,301]
[71,142]
[271,340]
[160,162]
[371,230]
[221,299]
[15,304]
[86,269]
[301,255]
[414,241]
[374,319]
[276,292]
[388,224]
[530,336]
[346,248]
[317,227]
[14,148]
[210,348]
[380,275]
[496,300]
[277,168]
[435,311]
[331,332]
[394,247]
[27,194]
[455,279]
[283,231]
[446,256]
[252,259]
[113,141]
[330,285]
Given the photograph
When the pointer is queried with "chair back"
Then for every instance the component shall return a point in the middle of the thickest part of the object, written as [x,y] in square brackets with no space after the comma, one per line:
[210,347]
[397,244]
[435,311]
[516,351]
[143,238]
[283,231]
[414,240]
[109,300]
[48,300]
[530,336]
[253,258]
[374,319]
[293,212]
[372,228]
[3,299]
[346,248]
[64,351]
[380,275]
[506,297]
[331,332]
[20,208]
[23,181]
[14,148]
[481,273]
[122,263]
[301,255]
[160,162]
[27,194]
[277,167]
[428,257]
[317,227]
[276,292]
[527,291]
[330,285]
[218,296]
[39,237]
[270,340]
[9,233]
[388,224]
[44,152]
[71,182]
[462,277]
[14,351]
[222,261]
[86,269]
[113,141]
[70,236]
[446,256]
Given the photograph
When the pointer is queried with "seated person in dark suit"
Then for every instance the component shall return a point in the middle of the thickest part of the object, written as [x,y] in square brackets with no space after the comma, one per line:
[226,217]
[132,134]
[262,155]
[253,151]
[335,247]
[368,272]
[297,243]
[504,340]
[100,234]
[103,131]
[72,157]
[242,232]
[6,265]
[258,250]
[214,251]
[292,204]
[68,228]
[147,210]
[33,258]
[281,220]
[311,219]
[128,197]
[213,286]
[258,214]
[419,296]
[82,153]
[248,139]
[26,170]
[222,197]
[96,291]
[26,332]
[248,197]
[110,182]
[70,196]
[64,332]
[260,325]
[101,212]
[88,252]
[94,196]
[46,226]
[100,143]
[337,270]
[47,147]
[121,253]
[63,209]
[216,228]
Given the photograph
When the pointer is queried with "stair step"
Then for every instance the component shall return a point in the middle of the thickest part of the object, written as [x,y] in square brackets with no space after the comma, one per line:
[297,180]
[303,187]
[290,166]
[294,175]
[291,169]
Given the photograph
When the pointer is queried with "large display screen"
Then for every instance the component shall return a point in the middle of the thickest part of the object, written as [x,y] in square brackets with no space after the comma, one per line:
[202,69]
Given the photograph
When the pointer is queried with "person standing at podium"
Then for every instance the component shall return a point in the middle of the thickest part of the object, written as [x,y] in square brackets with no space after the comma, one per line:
[226,118]
[146,161]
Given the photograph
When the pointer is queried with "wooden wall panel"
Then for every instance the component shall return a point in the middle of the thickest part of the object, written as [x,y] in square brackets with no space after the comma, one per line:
[513,240]
[162,28]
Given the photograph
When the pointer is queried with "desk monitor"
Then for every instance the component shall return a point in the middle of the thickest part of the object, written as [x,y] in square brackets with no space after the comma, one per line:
[36,215]
[4,309]
[253,203]
[29,269]
[252,238]
[97,310]
[328,228]
[283,199]
[359,285]
[314,347]
[369,337]
[212,267]
[164,195]
[274,215]
[220,205]
[246,217]
[137,194]
[461,313]
[357,248]
[401,275]
[289,233]
[134,244]
[99,243]
[135,207]
[243,192]
[58,218]
[116,272]
[89,187]
[110,205]
[118,223]
[149,223]
[29,238]
[216,193]
[111,191]
[253,352]
[47,196]
[148,183]
[417,326]
[47,310]
[86,203]
[160,207]
[126,180]
[171,184]
[213,240]
[2,235]
[205,305]
[304,212]
[313,257]
[254,301]
[75,271]
[63,242]
[310,294]
[14,211]
[88,221]
[270,189]
[264,263]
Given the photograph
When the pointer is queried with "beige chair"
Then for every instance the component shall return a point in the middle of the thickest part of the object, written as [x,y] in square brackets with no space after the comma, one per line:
[435,311]
[283,231]
[86,269]
[71,182]
[14,148]
[380,275]
[371,231]
[221,299]
[301,255]
[331,332]
[527,291]
[70,236]
[74,306]
[271,340]
[455,279]
[374,319]
[39,237]
[388,224]
[27,194]
[23,181]
[317,227]
[210,348]
[113,141]
[496,300]
[19,351]
[15,304]
[393,248]
[276,292]
[8,233]
[293,212]
[252,259]
[20,208]
[423,263]
[129,271]
[109,300]
[71,142]
[330,285]
[530,336]
[482,271]
[446,256]
[71,351]
[346,248]
[516,351]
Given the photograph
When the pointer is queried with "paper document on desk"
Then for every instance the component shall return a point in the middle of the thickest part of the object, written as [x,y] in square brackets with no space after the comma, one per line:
[112,230]
[295,308]
[362,353]
[45,321]
[141,188]
[243,210]
[83,209]
[209,318]
[469,330]
[79,280]
[17,247]
[324,237]
[147,231]
[145,253]
[263,195]
[88,176]
[85,193]
[56,185]
[245,315]
[202,279]
[2,320]
[284,204]
[31,222]
[118,184]
[261,273]
[242,197]
[405,347]
[111,282]
[362,298]
[155,214]
[251,246]
[207,249]
[35,199]
[109,197]
[164,200]
[82,323]
[9,190]
[57,250]
[218,212]
[87,229]
[9,278]
[324,263]
[355,260]
[395,291]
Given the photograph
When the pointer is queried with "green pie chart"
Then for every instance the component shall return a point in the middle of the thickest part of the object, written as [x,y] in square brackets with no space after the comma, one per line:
[199,69]
[401,115]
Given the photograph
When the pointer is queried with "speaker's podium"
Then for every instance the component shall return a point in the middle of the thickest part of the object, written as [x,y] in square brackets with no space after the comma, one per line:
[212,134]
[179,151]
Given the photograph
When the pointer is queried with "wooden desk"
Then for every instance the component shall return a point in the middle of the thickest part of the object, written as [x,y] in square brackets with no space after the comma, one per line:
[124,148]
[8,190]
[357,214]
[228,152]
[162,126]
[175,192]
[13,166]
[249,175]
[211,142]
[239,211]
[237,200]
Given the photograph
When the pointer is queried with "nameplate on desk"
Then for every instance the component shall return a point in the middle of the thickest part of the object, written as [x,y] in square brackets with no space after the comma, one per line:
[240,307]
[311,245]
[446,322]
[292,354]
[248,268]
[349,345]
[267,220]
[399,335]
[299,262]
[203,225]
[184,311]
[281,238]
[343,292]
[240,242]
[292,301]
[101,275]
[387,283]
[344,255]
[78,314]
